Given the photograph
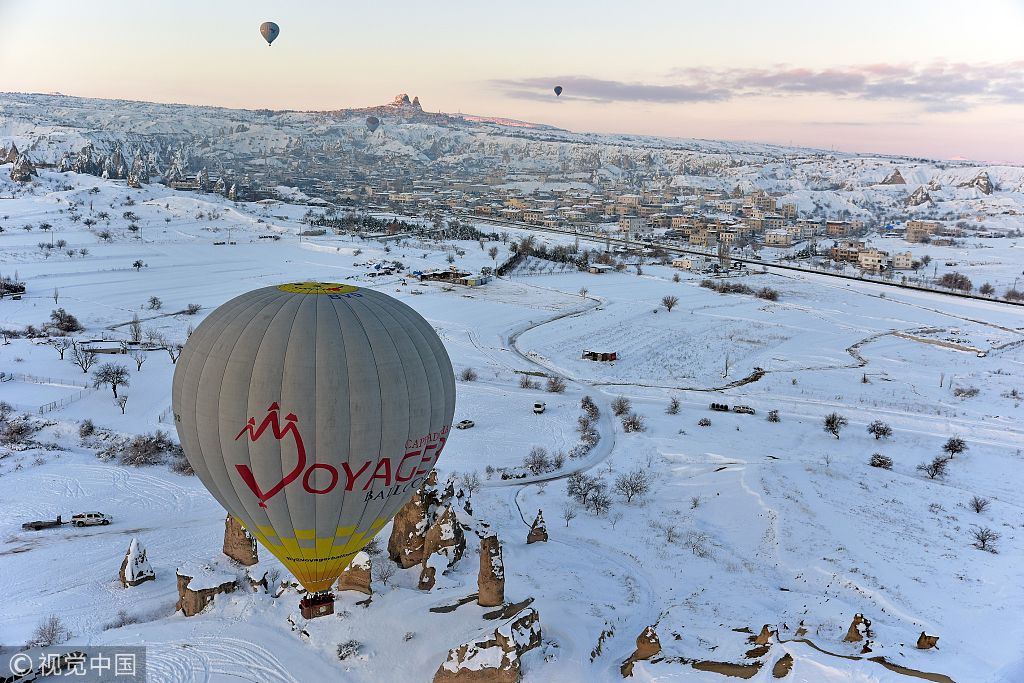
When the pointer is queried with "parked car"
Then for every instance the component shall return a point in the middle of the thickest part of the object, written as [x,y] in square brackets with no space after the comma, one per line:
[90,519]
[42,524]
[539,407]
[746,410]
[721,407]
[465,424]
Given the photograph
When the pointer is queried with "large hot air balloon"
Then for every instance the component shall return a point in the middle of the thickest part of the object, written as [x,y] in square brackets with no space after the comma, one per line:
[372,122]
[558,91]
[269,30]
[312,412]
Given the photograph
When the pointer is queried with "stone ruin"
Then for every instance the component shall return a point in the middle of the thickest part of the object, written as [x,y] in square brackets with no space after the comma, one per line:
[647,645]
[238,544]
[538,530]
[495,659]
[356,576]
[135,567]
[491,579]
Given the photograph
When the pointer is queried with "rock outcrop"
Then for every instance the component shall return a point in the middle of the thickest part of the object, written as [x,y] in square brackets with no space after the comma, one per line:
[860,628]
[443,546]
[918,197]
[23,171]
[9,155]
[410,526]
[135,568]
[764,637]
[238,544]
[491,579]
[538,530]
[926,642]
[894,178]
[197,587]
[981,182]
[495,659]
[647,645]
[356,576]
[783,666]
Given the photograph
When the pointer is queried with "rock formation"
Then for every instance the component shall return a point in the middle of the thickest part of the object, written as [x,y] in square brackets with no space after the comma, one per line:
[410,526]
[894,178]
[926,642]
[860,627]
[197,587]
[783,666]
[9,155]
[764,637]
[494,659]
[238,544]
[443,546]
[538,531]
[356,576]
[23,171]
[981,182]
[135,567]
[647,645]
[491,579]
[920,196]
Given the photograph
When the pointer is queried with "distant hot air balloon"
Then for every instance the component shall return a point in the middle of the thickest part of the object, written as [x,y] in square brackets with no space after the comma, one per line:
[558,90]
[269,30]
[312,412]
[372,122]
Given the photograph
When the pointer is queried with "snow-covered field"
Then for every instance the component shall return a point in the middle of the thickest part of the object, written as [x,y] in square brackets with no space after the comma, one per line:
[747,522]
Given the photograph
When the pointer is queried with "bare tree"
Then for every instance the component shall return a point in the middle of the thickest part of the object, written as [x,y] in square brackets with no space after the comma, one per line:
[615,517]
[669,302]
[600,502]
[120,401]
[673,406]
[470,482]
[878,429]
[155,304]
[61,344]
[537,460]
[694,502]
[493,253]
[633,423]
[583,292]
[174,351]
[936,469]
[985,538]
[135,328]
[636,483]
[56,295]
[384,570]
[954,446]
[834,422]
[139,356]
[83,357]
[580,485]
[569,512]
[979,504]
[112,374]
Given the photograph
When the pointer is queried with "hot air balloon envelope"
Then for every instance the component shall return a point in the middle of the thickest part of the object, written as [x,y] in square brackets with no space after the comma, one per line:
[372,122]
[312,412]
[558,90]
[269,30]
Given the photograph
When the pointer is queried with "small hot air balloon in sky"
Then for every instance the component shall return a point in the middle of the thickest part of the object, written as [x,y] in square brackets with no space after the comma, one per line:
[558,90]
[372,122]
[312,412]
[269,30]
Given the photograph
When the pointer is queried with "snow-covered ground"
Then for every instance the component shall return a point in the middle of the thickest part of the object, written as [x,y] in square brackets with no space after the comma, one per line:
[747,522]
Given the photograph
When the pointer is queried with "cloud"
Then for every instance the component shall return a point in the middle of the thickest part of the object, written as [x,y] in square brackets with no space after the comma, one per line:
[936,86]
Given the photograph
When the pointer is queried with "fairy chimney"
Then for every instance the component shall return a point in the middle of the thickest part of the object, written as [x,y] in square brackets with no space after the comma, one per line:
[410,526]
[647,645]
[926,642]
[356,576]
[538,531]
[238,544]
[859,628]
[491,579]
[135,567]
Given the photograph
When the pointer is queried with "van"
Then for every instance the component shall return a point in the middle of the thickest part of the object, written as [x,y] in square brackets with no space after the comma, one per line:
[539,407]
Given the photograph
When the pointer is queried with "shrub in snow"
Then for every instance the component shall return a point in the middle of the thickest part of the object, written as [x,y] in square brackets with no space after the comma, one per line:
[349,649]
[149,449]
[537,460]
[704,422]
[965,392]
[50,631]
[555,385]
[879,460]
[879,429]
[86,429]
[17,430]
[192,309]
[64,321]
[633,423]
[673,406]
[773,416]
[589,407]
[621,406]
[468,375]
